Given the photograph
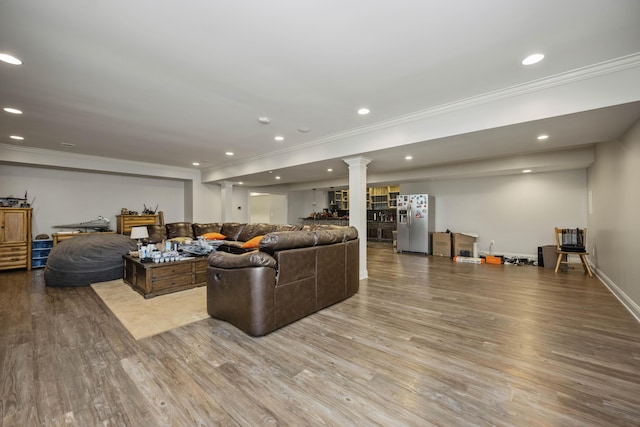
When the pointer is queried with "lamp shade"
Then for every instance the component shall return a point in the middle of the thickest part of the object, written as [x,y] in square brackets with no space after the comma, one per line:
[139,233]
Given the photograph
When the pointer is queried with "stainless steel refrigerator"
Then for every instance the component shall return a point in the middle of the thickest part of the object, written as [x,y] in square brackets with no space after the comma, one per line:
[416,222]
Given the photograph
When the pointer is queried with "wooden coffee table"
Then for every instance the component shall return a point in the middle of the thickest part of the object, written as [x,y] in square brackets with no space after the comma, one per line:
[152,279]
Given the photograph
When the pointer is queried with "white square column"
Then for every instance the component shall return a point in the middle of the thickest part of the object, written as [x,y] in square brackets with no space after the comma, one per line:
[226,194]
[358,205]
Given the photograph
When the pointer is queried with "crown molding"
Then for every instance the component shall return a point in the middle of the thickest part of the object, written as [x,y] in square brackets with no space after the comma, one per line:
[562,79]
[31,156]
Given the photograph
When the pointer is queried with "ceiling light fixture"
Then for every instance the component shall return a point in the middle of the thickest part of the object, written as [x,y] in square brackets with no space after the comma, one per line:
[304,130]
[229,153]
[240,183]
[264,120]
[329,170]
[363,111]
[526,171]
[19,138]
[277,177]
[195,164]
[408,157]
[67,145]
[532,59]
[279,138]
[9,59]
[12,110]
[542,137]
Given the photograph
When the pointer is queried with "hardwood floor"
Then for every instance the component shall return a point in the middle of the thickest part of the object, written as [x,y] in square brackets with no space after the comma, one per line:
[425,342]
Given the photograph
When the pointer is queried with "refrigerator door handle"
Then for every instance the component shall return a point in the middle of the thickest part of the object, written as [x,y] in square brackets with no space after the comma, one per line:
[409,215]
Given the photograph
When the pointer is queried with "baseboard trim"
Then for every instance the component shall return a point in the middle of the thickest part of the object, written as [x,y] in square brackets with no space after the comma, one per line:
[627,302]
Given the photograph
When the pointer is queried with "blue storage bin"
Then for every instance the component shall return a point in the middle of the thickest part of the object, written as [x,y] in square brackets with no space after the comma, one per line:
[40,253]
[38,262]
[37,244]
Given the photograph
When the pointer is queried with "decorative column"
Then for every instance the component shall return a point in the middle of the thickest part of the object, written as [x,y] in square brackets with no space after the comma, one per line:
[227,201]
[358,204]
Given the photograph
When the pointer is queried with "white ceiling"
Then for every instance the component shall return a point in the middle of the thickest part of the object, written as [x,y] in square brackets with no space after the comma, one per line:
[171,83]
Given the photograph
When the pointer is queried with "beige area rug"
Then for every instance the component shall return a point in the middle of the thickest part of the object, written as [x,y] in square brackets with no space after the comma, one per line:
[146,317]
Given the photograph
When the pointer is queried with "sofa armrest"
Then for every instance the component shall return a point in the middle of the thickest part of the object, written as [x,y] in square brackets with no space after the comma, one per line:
[249,259]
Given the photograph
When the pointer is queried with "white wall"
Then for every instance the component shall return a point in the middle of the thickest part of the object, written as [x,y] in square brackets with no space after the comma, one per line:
[519,212]
[63,197]
[268,208]
[614,228]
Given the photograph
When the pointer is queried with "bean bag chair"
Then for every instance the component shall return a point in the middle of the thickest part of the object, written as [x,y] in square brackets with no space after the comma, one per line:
[87,259]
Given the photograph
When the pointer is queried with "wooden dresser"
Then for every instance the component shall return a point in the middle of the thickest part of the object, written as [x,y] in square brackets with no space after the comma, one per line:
[15,238]
[125,222]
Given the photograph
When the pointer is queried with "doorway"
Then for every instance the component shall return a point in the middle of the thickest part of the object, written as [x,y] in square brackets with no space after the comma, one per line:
[267,208]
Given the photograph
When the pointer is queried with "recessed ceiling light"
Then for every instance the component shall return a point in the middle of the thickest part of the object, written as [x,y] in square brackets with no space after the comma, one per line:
[195,164]
[264,120]
[329,170]
[526,171]
[240,183]
[408,157]
[542,137]
[9,59]
[67,144]
[12,110]
[363,111]
[532,59]
[277,177]
[304,130]
[279,138]
[19,138]
[229,153]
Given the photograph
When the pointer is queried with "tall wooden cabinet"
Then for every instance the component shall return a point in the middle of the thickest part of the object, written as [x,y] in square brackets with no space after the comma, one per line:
[15,238]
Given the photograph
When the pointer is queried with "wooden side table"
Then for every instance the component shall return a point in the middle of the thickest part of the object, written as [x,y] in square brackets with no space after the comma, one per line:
[59,237]
[151,279]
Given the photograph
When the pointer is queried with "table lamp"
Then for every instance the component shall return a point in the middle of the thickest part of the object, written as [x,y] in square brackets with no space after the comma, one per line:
[139,233]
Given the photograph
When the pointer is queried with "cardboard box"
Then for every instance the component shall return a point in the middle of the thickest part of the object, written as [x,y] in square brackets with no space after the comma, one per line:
[492,259]
[462,242]
[441,244]
[468,260]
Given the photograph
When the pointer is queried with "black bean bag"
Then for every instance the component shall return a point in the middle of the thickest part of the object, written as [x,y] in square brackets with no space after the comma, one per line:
[87,259]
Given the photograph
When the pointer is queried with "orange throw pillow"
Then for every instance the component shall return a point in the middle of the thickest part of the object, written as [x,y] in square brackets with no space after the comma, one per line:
[253,243]
[214,236]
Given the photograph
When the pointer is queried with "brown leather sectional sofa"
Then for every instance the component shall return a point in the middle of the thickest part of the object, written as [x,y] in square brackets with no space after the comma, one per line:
[236,234]
[291,275]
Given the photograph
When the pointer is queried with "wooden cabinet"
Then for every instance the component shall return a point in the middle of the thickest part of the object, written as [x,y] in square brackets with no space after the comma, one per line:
[125,222]
[15,238]
[339,200]
[383,197]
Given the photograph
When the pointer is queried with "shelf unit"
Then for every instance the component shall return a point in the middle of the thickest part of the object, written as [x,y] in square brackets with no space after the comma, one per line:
[381,198]
[40,252]
[378,198]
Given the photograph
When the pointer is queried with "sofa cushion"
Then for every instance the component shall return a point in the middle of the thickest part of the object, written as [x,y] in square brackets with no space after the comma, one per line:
[232,230]
[252,230]
[201,228]
[249,259]
[252,243]
[213,236]
[157,233]
[287,227]
[179,229]
[281,240]
[328,237]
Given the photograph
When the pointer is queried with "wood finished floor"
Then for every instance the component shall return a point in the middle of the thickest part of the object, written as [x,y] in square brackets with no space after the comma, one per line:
[425,342]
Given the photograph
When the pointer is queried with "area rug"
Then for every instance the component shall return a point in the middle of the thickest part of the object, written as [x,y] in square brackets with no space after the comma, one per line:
[146,317]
